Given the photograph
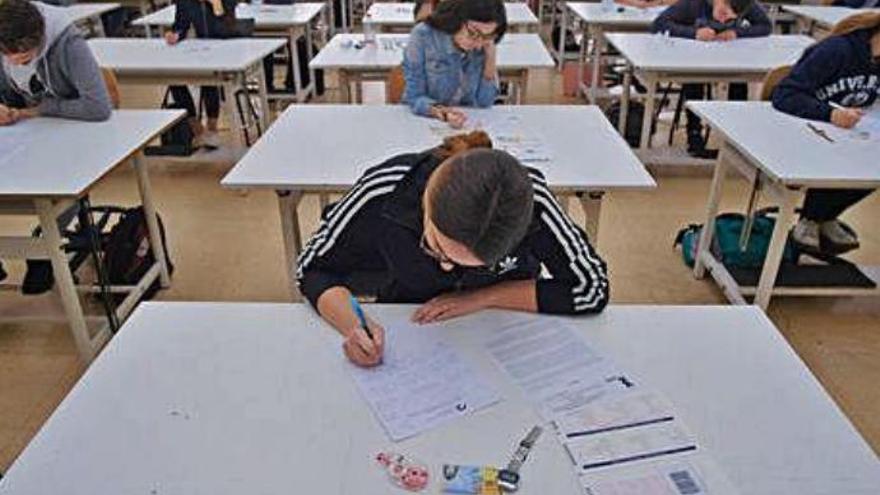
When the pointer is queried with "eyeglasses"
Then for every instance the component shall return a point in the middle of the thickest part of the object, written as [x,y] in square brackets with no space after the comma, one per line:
[476,35]
[446,260]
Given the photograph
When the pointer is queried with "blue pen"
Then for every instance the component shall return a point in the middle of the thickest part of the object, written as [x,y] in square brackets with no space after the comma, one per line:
[356,307]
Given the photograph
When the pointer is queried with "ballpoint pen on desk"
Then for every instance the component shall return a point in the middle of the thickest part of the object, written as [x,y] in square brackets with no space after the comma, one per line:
[362,318]
[821,133]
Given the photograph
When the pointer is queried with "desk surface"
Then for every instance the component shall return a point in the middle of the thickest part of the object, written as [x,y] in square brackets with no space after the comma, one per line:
[155,57]
[594,13]
[265,16]
[787,150]
[656,53]
[329,146]
[227,398]
[825,15]
[82,11]
[401,14]
[57,157]
[516,51]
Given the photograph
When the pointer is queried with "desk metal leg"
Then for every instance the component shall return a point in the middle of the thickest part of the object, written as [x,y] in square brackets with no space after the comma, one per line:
[596,61]
[562,28]
[288,203]
[523,87]
[310,53]
[294,56]
[591,203]
[648,118]
[344,86]
[64,280]
[263,92]
[787,200]
[236,122]
[146,192]
[624,100]
[711,212]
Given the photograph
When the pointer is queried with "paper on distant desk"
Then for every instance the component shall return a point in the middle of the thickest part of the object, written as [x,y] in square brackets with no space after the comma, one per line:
[422,383]
[555,368]
[508,132]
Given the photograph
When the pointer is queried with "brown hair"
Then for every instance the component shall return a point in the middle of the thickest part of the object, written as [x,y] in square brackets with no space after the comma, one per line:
[857,22]
[482,198]
[21,26]
[459,143]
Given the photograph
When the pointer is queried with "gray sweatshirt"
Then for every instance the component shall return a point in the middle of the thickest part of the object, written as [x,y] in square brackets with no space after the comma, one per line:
[72,84]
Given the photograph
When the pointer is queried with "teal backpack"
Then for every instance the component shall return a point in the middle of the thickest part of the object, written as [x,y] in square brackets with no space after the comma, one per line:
[725,242]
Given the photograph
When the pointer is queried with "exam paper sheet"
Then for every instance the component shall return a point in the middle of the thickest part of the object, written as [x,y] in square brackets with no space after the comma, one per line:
[555,368]
[422,383]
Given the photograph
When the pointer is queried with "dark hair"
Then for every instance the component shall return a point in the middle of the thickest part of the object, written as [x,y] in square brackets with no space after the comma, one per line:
[741,7]
[21,26]
[483,199]
[451,15]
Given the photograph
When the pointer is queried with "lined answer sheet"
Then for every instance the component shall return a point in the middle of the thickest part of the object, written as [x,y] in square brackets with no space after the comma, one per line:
[422,383]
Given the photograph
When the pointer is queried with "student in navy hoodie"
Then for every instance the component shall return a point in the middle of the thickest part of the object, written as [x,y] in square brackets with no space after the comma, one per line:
[711,20]
[210,19]
[843,69]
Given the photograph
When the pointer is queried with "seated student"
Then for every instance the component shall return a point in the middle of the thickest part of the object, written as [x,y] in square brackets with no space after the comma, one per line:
[450,59]
[210,19]
[458,228]
[833,80]
[711,20]
[47,68]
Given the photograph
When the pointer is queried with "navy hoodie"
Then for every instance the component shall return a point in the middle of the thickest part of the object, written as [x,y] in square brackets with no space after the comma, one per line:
[683,18]
[838,69]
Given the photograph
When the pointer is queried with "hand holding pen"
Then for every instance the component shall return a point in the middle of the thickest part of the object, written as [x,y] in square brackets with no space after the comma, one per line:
[365,343]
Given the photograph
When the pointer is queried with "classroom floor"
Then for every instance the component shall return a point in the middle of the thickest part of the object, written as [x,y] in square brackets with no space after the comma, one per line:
[226,246]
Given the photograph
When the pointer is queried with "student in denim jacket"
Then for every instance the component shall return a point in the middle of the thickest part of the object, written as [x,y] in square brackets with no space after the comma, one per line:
[449,60]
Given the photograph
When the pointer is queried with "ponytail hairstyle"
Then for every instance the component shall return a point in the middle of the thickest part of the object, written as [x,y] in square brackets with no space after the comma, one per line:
[857,22]
[481,198]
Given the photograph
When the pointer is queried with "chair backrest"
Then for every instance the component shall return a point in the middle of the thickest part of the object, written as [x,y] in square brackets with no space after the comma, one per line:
[112,86]
[772,79]
[394,85]
[826,3]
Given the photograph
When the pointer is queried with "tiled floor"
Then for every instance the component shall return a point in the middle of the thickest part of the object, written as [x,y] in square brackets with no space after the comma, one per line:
[227,247]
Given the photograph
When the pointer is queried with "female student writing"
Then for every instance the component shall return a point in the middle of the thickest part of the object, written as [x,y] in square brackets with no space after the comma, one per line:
[458,229]
[450,59]
[711,21]
[47,67]
[210,19]
[832,82]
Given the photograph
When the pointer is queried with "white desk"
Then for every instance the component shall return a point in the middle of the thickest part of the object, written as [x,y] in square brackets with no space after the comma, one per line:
[780,154]
[517,54]
[90,13]
[47,164]
[229,398]
[400,15]
[289,21]
[655,58]
[325,148]
[225,63]
[594,21]
[821,17]
[143,6]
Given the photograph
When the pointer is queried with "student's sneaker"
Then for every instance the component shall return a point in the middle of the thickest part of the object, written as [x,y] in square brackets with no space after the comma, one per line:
[210,140]
[697,146]
[840,237]
[806,235]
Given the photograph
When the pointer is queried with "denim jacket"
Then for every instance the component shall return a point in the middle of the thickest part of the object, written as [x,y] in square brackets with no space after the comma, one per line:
[436,72]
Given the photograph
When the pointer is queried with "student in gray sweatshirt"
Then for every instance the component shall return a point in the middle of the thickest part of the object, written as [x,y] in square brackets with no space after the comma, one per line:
[47,68]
